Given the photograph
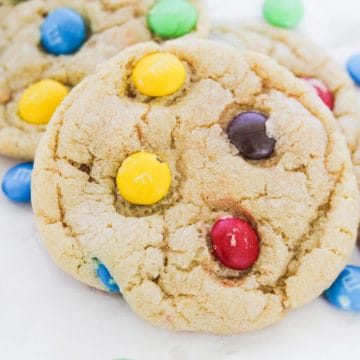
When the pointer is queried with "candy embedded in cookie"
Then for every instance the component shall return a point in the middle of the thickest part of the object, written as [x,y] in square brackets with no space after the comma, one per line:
[40,100]
[63,32]
[247,132]
[159,74]
[217,202]
[323,91]
[104,275]
[143,179]
[235,243]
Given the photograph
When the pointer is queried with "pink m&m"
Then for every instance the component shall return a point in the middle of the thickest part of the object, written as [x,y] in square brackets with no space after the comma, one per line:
[323,91]
[235,243]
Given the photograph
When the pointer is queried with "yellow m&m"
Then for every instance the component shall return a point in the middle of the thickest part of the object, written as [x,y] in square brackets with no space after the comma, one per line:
[39,101]
[143,179]
[159,74]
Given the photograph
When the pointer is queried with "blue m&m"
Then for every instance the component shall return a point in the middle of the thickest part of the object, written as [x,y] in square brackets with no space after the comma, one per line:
[345,291]
[63,32]
[353,68]
[104,275]
[16,184]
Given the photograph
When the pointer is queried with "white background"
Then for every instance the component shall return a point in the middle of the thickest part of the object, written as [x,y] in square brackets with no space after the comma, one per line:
[46,315]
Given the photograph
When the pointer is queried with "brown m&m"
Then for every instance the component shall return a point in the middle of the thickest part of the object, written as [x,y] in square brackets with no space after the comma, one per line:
[247,131]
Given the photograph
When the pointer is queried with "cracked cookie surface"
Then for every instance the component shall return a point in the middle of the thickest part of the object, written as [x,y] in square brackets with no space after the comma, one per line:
[305,60]
[112,26]
[303,201]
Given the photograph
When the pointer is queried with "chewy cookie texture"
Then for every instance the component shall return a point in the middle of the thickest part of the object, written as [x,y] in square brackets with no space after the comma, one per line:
[63,41]
[308,62]
[291,203]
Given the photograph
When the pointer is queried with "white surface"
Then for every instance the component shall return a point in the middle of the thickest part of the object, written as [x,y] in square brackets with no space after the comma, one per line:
[45,315]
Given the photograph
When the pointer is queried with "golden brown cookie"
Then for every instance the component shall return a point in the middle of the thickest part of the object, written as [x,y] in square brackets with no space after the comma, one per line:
[307,61]
[262,209]
[110,25]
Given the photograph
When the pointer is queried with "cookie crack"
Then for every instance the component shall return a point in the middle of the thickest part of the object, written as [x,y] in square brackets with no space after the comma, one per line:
[300,247]
[68,228]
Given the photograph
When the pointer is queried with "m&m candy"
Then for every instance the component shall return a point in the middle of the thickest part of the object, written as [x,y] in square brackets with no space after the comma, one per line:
[105,277]
[39,101]
[170,19]
[247,131]
[283,13]
[235,243]
[345,291]
[16,184]
[63,32]
[159,74]
[323,91]
[353,68]
[143,179]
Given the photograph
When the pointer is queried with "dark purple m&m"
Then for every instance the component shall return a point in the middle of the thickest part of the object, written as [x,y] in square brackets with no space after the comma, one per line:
[247,132]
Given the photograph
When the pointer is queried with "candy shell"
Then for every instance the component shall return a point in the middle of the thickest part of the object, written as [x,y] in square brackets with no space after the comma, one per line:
[16,183]
[353,68]
[170,19]
[235,243]
[159,74]
[106,278]
[283,13]
[40,100]
[143,179]
[63,32]
[247,131]
[345,291]
[323,91]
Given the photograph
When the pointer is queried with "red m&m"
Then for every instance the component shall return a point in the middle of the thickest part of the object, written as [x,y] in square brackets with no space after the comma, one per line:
[235,243]
[323,91]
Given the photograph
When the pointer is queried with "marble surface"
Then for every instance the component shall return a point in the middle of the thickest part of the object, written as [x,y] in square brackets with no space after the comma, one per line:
[46,315]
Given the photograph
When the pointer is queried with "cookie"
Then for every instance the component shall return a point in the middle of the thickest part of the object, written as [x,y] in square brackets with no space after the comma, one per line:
[216,205]
[63,41]
[307,61]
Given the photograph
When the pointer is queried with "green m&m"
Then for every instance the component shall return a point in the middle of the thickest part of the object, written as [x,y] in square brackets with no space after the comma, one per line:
[283,13]
[170,19]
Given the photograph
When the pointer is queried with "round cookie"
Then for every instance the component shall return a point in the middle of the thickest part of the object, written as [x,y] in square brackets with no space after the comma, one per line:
[30,27]
[178,262]
[306,60]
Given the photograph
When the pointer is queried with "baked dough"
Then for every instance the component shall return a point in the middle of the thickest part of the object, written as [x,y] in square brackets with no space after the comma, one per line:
[303,201]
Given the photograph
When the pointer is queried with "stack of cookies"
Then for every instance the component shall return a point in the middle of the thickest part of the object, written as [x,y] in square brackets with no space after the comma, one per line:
[213,182]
